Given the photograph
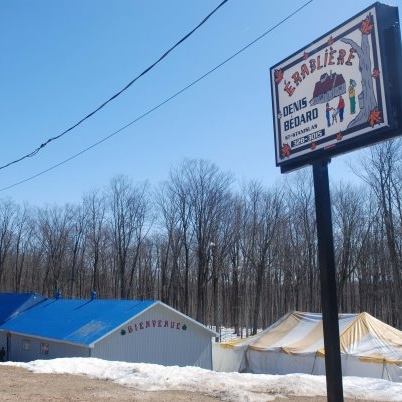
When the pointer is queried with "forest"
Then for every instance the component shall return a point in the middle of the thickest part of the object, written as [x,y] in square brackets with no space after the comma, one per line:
[227,254]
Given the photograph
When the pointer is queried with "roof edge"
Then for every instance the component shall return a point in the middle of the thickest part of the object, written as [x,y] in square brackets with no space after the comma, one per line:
[188,318]
[92,344]
[155,303]
[57,340]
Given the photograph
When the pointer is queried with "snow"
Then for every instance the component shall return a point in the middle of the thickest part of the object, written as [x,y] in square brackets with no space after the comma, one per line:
[228,334]
[226,386]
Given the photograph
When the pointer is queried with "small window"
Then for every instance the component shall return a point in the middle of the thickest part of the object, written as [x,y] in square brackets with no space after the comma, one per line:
[44,348]
[26,345]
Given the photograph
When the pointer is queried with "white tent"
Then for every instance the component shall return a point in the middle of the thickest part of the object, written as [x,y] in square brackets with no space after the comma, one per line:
[230,356]
[294,344]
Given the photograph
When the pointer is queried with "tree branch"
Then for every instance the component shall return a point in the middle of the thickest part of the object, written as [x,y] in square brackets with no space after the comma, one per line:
[354,45]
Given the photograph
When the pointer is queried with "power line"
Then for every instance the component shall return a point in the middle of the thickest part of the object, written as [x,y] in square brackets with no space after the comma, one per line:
[164,55]
[149,111]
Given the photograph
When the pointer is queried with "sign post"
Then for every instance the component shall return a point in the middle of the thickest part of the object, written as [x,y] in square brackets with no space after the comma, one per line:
[339,93]
[328,281]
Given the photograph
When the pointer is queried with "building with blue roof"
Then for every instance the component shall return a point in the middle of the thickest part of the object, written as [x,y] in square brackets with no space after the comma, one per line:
[12,304]
[127,330]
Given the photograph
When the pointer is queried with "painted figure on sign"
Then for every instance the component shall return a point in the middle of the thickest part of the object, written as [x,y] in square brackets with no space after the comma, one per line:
[327,113]
[334,116]
[352,96]
[341,107]
[2,354]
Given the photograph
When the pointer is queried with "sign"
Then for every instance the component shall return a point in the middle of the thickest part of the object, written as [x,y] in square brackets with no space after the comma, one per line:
[159,323]
[340,92]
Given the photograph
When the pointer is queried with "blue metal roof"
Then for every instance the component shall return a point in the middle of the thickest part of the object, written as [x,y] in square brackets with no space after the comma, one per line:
[12,304]
[76,321]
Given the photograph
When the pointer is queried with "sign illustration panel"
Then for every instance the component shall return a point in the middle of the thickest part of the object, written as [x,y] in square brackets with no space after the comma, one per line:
[330,92]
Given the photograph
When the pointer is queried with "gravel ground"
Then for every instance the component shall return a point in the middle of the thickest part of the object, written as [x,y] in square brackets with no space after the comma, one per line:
[17,384]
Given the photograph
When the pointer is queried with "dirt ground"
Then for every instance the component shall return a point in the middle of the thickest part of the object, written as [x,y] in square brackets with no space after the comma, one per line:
[17,384]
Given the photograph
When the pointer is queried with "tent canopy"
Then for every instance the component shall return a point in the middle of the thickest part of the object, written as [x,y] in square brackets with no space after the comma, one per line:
[361,335]
[295,343]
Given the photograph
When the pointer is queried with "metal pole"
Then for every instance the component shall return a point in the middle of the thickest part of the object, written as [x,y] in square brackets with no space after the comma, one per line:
[329,303]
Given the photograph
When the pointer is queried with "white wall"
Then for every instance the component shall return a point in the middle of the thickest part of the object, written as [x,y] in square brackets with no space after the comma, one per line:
[151,341]
[278,362]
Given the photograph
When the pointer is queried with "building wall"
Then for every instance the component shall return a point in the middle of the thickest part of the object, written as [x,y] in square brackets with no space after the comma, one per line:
[3,341]
[25,349]
[158,336]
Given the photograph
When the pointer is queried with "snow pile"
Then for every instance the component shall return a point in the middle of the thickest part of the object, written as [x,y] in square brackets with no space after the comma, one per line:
[226,386]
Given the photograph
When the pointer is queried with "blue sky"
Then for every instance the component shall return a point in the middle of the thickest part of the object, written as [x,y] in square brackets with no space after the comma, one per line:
[62,58]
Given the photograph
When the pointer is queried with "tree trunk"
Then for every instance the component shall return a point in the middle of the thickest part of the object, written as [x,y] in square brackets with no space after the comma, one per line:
[367,100]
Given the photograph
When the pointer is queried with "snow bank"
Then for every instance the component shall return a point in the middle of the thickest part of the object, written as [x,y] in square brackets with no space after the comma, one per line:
[226,386]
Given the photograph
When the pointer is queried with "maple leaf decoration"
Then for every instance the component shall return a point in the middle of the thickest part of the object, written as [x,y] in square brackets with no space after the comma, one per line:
[278,76]
[374,117]
[285,150]
[339,136]
[305,55]
[366,26]
[376,73]
[313,146]
[330,41]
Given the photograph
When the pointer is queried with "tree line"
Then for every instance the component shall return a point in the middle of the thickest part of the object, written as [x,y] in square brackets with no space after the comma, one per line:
[226,256]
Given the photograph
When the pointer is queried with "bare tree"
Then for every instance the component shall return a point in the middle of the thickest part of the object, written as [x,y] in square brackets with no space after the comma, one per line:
[301,246]
[54,231]
[352,223]
[95,213]
[261,218]
[239,260]
[208,188]
[8,212]
[382,172]
[24,229]
[128,213]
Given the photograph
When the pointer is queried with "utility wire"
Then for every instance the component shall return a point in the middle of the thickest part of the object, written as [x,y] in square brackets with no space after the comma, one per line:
[149,111]
[164,55]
